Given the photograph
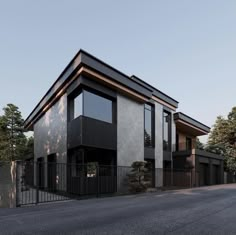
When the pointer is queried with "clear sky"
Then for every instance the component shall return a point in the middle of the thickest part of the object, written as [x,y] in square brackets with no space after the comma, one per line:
[185,48]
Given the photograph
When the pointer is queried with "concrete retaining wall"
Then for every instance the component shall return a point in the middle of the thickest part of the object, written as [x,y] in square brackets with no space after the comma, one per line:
[7,185]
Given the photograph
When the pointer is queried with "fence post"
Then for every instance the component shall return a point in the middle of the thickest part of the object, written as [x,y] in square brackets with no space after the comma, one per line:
[18,164]
[37,183]
[98,181]
[191,179]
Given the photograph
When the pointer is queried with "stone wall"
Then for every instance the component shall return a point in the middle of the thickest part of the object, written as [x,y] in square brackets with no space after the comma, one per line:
[7,185]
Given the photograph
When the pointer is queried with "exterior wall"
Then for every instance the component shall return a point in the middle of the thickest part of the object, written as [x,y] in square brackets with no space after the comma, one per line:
[182,140]
[158,144]
[8,185]
[130,136]
[130,131]
[50,134]
[173,133]
[158,135]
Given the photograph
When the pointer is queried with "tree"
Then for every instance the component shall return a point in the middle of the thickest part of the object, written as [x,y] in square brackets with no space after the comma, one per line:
[147,138]
[29,150]
[139,179]
[13,142]
[3,145]
[199,144]
[222,139]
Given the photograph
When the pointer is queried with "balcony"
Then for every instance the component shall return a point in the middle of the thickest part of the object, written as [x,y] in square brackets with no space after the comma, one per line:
[183,150]
[85,131]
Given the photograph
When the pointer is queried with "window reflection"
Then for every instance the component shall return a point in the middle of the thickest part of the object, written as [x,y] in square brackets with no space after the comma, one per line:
[97,107]
[78,105]
[166,131]
[148,126]
[92,105]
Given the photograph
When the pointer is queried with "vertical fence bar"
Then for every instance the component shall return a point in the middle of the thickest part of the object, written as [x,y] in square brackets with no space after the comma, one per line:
[18,184]
[37,184]
[98,181]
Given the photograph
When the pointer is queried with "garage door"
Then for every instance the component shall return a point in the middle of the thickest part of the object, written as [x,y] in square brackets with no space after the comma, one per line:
[203,174]
[215,174]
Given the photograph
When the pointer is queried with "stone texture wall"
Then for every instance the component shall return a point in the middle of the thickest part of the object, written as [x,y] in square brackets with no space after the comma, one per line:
[50,132]
[7,185]
[50,136]
[158,144]
[130,131]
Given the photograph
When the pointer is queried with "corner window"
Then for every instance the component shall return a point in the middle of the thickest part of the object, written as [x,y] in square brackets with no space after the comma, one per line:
[97,107]
[188,143]
[78,106]
[91,105]
[148,126]
[166,131]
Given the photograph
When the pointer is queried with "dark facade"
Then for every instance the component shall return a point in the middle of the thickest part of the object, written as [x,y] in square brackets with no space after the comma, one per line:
[96,115]
[208,167]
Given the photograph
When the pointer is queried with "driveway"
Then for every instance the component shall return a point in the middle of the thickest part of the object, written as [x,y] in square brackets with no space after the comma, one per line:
[207,210]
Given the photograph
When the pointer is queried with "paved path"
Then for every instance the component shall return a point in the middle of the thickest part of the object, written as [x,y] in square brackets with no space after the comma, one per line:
[208,210]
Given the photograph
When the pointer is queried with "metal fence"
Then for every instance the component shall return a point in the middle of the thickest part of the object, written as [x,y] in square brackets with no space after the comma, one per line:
[39,182]
[28,182]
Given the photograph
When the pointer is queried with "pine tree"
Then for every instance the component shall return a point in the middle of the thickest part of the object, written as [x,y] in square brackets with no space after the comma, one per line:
[222,139]
[199,144]
[12,139]
[139,179]
[3,145]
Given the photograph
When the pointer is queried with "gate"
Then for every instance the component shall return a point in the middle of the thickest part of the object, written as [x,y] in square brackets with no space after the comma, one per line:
[40,182]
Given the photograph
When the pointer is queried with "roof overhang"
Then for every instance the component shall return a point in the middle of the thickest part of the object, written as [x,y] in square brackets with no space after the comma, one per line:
[86,64]
[189,125]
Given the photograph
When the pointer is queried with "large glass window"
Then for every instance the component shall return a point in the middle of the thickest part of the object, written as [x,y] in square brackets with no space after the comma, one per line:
[166,131]
[92,105]
[78,106]
[97,107]
[148,126]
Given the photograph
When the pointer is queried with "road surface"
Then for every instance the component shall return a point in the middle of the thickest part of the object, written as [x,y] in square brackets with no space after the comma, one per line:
[207,210]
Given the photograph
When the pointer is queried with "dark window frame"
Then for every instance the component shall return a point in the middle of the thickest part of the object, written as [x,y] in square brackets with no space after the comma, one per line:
[188,141]
[177,142]
[80,91]
[152,110]
[169,143]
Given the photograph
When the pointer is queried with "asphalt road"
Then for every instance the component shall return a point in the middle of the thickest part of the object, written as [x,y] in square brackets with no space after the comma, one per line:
[208,210]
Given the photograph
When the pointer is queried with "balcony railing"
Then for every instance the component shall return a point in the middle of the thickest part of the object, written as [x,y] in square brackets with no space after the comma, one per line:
[183,149]
[183,146]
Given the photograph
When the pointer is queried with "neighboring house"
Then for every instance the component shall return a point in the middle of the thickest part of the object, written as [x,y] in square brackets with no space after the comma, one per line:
[94,113]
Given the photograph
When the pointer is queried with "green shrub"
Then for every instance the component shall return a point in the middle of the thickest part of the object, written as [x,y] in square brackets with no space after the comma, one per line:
[140,177]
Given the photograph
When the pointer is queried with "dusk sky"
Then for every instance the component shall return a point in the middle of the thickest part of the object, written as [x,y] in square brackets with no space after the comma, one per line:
[185,48]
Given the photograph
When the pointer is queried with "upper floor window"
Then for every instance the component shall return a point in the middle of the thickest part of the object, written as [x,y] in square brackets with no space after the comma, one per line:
[92,105]
[166,131]
[97,107]
[148,126]
[78,105]
[188,143]
[177,142]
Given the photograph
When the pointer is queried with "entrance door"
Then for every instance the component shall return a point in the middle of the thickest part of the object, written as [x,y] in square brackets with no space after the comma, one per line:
[52,172]
[215,174]
[40,165]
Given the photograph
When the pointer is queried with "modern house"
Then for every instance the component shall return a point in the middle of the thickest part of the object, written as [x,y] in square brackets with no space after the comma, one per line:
[95,113]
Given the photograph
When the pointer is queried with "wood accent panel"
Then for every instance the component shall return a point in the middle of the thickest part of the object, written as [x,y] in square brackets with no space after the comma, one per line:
[93,75]
[112,84]
[189,125]
[163,103]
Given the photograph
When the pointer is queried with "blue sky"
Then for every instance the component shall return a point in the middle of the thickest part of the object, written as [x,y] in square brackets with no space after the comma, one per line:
[185,48]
